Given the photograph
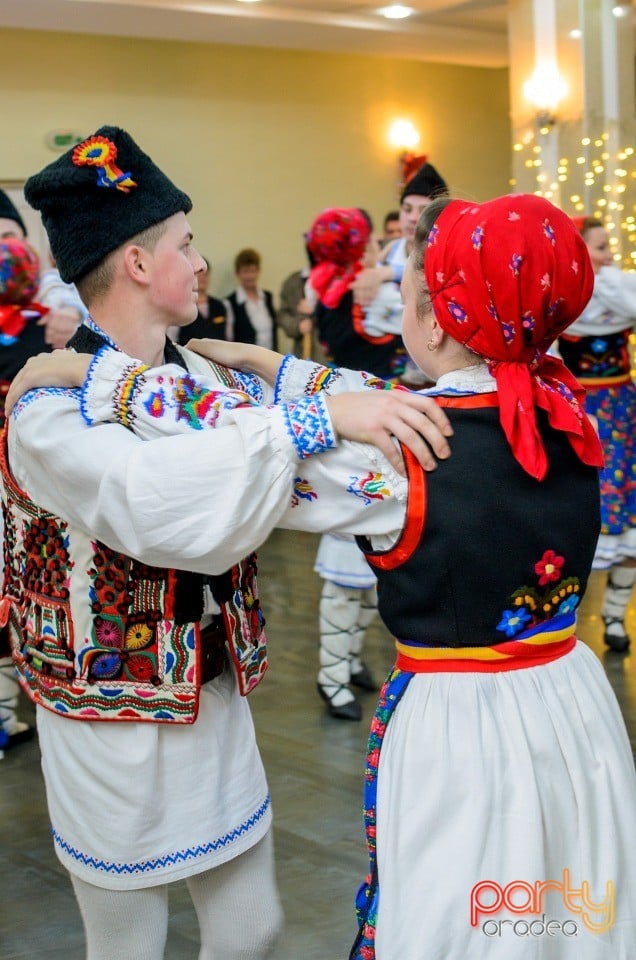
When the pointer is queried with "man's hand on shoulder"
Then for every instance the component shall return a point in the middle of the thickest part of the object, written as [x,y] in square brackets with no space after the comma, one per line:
[382,417]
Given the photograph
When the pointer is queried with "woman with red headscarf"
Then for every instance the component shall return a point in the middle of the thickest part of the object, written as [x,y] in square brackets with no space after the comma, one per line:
[596,349]
[340,243]
[500,792]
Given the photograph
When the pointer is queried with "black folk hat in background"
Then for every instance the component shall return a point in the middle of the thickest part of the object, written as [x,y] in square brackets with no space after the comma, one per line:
[9,212]
[97,196]
[425,183]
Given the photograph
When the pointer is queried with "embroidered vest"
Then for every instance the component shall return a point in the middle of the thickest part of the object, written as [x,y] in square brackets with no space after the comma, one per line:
[487,551]
[339,329]
[598,361]
[97,635]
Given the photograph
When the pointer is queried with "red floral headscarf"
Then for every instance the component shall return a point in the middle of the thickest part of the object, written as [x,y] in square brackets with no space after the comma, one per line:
[506,277]
[336,241]
[19,272]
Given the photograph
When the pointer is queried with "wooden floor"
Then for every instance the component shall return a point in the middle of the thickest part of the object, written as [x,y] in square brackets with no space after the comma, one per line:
[314,766]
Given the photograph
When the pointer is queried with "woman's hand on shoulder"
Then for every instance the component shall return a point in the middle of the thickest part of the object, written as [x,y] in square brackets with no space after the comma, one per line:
[61,368]
[247,357]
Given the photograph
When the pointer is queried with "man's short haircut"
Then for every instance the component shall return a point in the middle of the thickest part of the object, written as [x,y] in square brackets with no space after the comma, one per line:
[98,282]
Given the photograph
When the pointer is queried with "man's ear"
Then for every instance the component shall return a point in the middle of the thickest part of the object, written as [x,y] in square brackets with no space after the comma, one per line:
[137,264]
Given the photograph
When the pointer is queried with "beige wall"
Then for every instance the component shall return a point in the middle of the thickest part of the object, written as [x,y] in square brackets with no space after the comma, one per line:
[261,139]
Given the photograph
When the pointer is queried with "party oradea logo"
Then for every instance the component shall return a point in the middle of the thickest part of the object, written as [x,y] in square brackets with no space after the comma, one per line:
[531,903]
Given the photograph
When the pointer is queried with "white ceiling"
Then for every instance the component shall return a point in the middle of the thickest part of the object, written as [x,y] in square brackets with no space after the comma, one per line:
[446,31]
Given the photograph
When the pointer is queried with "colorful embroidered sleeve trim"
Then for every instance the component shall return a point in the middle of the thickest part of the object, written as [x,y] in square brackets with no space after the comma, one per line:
[90,376]
[129,385]
[280,377]
[309,426]
[322,378]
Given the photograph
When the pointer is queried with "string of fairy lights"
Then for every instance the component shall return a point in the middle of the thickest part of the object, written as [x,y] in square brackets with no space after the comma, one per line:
[594,182]
[596,179]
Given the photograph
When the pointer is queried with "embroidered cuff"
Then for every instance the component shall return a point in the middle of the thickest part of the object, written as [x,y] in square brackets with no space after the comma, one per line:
[130,383]
[298,378]
[88,384]
[308,426]
[279,386]
[110,387]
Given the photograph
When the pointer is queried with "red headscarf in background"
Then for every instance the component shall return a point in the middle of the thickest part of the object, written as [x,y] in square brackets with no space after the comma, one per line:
[336,240]
[19,272]
[506,277]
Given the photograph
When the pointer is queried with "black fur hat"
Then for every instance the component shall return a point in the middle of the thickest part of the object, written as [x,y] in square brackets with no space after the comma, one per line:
[97,196]
[426,183]
[9,212]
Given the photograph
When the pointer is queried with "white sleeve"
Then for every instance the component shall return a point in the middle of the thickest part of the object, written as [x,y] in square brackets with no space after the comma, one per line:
[384,314]
[299,378]
[54,293]
[166,400]
[616,291]
[199,501]
[202,500]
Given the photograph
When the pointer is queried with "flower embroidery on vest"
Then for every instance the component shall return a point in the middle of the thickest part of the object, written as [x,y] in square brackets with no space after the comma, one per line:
[125,601]
[531,606]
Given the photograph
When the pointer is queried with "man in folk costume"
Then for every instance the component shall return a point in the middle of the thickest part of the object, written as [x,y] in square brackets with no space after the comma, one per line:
[133,620]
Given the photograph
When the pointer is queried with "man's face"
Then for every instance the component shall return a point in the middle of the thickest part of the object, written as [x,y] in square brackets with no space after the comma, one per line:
[392,230]
[203,280]
[9,228]
[410,211]
[248,277]
[174,267]
[598,247]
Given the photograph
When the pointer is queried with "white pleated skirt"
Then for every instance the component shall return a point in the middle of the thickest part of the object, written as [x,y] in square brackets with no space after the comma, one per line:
[516,778]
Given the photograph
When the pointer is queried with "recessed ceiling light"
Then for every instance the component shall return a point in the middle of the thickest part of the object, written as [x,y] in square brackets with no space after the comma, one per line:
[621,9]
[396,12]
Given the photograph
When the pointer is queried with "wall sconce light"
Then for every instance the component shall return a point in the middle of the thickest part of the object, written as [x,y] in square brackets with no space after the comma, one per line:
[545,90]
[404,137]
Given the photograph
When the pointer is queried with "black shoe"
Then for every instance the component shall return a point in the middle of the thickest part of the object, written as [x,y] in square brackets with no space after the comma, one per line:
[346,711]
[20,736]
[616,643]
[363,679]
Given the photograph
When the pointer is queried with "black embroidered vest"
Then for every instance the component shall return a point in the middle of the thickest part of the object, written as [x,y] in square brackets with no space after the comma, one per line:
[481,538]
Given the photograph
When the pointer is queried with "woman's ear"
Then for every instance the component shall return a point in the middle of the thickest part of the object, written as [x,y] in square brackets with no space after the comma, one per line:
[437,334]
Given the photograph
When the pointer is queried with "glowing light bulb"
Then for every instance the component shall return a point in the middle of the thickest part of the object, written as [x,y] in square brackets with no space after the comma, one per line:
[403,135]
